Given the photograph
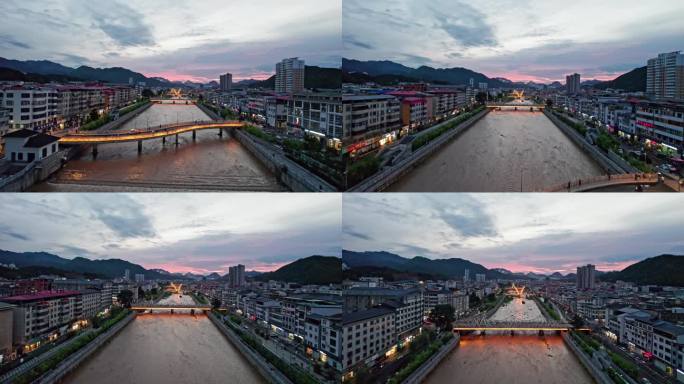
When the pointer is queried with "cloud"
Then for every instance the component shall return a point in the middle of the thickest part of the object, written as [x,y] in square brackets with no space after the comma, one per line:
[467,27]
[123,215]
[6,230]
[123,24]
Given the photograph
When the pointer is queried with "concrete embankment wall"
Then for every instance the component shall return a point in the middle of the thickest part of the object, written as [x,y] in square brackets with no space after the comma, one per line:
[265,369]
[116,124]
[291,174]
[384,179]
[77,358]
[33,173]
[424,370]
[608,165]
[595,371]
[208,111]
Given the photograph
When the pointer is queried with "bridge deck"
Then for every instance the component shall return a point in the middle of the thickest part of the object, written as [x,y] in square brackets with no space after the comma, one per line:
[168,307]
[511,326]
[138,135]
[605,181]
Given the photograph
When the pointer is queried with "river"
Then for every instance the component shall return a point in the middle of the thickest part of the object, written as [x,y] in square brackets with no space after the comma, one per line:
[165,348]
[209,163]
[502,358]
[506,151]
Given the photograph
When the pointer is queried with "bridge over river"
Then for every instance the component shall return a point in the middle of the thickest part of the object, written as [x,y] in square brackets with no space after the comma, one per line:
[139,135]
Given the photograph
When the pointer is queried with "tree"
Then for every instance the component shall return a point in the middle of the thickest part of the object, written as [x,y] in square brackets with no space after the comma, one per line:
[481,97]
[141,292]
[215,303]
[442,315]
[93,115]
[549,103]
[577,322]
[147,93]
[125,298]
[473,301]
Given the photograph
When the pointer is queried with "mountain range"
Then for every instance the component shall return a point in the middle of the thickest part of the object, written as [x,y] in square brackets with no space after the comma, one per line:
[308,270]
[659,270]
[385,72]
[43,71]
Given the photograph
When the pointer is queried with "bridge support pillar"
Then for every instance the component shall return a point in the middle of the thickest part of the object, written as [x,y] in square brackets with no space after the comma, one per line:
[139,147]
[194,135]
[163,139]
[541,333]
[220,132]
[483,333]
[512,333]
[176,139]
[94,150]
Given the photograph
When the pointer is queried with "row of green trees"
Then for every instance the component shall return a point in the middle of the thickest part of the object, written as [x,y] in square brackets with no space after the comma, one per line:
[435,133]
[116,315]
[420,350]
[293,373]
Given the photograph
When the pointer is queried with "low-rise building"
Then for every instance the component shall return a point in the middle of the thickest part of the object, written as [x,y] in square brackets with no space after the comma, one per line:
[27,146]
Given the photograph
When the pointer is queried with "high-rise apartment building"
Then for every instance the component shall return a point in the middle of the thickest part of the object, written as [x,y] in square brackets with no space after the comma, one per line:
[665,76]
[236,276]
[226,82]
[572,83]
[290,75]
[586,277]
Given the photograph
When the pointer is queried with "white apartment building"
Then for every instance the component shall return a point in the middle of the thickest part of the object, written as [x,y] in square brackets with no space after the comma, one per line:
[49,314]
[366,336]
[30,107]
[318,114]
[665,76]
[290,75]
[661,122]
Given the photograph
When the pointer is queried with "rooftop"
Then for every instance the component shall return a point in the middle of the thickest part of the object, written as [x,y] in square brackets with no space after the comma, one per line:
[40,140]
[348,318]
[45,295]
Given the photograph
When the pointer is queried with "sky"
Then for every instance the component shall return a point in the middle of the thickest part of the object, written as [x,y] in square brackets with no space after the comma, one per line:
[541,233]
[178,39]
[200,233]
[520,40]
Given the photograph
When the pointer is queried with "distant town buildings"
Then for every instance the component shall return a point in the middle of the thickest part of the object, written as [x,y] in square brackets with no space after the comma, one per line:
[572,83]
[665,76]
[226,82]
[290,75]
[586,277]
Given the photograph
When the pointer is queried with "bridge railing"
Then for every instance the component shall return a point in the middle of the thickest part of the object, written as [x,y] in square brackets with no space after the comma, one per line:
[155,129]
[628,178]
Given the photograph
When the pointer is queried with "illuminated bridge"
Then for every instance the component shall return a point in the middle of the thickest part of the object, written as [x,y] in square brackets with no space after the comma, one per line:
[604,181]
[140,135]
[171,307]
[516,106]
[512,326]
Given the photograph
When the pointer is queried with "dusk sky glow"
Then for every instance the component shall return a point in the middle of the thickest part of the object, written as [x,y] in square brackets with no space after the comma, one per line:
[178,40]
[198,232]
[517,39]
[528,232]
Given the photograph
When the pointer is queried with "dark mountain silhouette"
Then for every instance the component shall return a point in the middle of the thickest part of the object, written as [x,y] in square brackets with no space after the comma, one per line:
[309,270]
[314,78]
[453,268]
[659,270]
[632,81]
[454,76]
[110,268]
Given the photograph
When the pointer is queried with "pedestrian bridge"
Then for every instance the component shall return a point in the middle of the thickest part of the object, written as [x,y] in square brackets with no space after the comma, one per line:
[516,106]
[177,307]
[140,135]
[512,326]
[592,183]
